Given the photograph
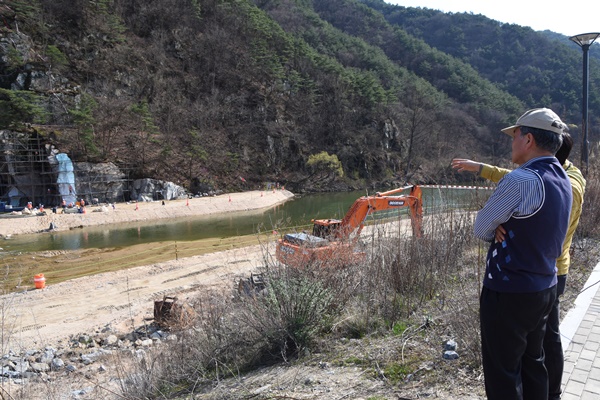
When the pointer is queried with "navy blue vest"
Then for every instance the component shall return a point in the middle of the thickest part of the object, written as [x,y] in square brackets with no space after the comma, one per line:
[525,261]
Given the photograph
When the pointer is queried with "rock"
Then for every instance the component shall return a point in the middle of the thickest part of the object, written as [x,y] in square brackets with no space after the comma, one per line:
[172,338]
[84,339]
[34,363]
[152,189]
[47,356]
[110,340]
[82,392]
[450,345]
[21,366]
[57,364]
[111,183]
[13,374]
[93,357]
[450,355]
[40,367]
[158,335]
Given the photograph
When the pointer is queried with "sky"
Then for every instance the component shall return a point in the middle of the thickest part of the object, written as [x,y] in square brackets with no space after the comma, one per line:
[564,17]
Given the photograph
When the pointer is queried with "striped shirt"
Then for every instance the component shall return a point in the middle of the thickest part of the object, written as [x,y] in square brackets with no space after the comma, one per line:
[519,194]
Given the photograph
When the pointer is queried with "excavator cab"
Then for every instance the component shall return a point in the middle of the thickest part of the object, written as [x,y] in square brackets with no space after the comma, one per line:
[326,228]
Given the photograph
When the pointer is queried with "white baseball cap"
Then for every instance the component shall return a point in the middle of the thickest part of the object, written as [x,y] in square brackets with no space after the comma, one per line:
[541,118]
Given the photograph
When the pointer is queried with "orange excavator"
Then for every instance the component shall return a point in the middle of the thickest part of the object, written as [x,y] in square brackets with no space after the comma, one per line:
[334,241]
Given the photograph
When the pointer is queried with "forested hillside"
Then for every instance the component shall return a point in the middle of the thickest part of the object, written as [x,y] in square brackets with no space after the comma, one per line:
[538,67]
[205,92]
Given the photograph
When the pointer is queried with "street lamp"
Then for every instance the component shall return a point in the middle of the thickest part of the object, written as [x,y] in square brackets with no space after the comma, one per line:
[584,41]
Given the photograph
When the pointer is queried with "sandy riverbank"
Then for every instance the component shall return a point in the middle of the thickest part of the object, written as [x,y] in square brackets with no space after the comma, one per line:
[122,299]
[144,211]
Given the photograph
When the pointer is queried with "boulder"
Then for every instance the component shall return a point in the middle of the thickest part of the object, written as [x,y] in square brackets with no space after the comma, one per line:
[152,189]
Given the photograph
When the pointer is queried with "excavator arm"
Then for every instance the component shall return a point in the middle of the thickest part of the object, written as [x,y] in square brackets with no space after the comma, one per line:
[354,220]
[334,239]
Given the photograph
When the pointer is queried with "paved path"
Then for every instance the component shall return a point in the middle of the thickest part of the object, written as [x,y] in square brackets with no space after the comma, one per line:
[580,330]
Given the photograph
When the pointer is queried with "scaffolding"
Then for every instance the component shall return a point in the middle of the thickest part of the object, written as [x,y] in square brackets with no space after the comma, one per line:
[25,172]
[32,170]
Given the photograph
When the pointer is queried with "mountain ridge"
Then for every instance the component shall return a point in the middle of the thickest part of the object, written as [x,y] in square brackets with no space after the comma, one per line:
[202,93]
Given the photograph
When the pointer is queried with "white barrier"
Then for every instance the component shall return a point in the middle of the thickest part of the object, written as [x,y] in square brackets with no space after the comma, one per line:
[456,187]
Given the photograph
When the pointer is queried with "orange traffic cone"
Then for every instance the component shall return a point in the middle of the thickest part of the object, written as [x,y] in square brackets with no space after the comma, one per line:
[40,281]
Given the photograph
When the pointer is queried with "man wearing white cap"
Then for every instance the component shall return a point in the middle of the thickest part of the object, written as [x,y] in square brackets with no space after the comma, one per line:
[553,351]
[525,219]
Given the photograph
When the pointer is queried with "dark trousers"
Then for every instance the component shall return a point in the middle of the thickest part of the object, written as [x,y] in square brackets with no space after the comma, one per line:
[553,350]
[513,326]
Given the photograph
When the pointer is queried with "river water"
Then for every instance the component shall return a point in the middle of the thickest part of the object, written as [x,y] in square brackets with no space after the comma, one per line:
[295,214]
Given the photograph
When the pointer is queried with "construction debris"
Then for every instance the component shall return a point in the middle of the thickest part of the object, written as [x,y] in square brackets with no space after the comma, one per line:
[168,313]
[252,286]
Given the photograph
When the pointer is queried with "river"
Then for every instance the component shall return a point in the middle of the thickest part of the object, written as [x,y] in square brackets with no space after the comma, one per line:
[80,252]
[295,214]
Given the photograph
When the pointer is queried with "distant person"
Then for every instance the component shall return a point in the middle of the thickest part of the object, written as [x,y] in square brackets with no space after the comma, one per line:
[525,220]
[553,351]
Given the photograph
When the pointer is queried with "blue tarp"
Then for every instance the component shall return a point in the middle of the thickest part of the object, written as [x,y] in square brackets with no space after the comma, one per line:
[66,179]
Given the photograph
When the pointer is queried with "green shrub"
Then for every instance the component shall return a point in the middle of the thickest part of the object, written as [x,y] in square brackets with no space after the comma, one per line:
[56,57]
[396,372]
[18,107]
[292,312]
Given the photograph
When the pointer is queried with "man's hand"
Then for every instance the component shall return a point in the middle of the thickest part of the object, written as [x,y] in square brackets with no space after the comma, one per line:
[500,234]
[462,164]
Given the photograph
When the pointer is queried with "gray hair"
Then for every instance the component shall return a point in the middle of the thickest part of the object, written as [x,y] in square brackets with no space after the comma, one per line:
[544,139]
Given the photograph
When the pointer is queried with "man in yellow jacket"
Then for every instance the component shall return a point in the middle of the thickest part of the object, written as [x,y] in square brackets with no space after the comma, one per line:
[554,361]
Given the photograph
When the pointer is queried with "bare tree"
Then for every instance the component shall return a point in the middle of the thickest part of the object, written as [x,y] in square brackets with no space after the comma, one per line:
[419,114]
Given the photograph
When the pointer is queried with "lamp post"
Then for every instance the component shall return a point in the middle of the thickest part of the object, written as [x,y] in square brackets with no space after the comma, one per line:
[584,41]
